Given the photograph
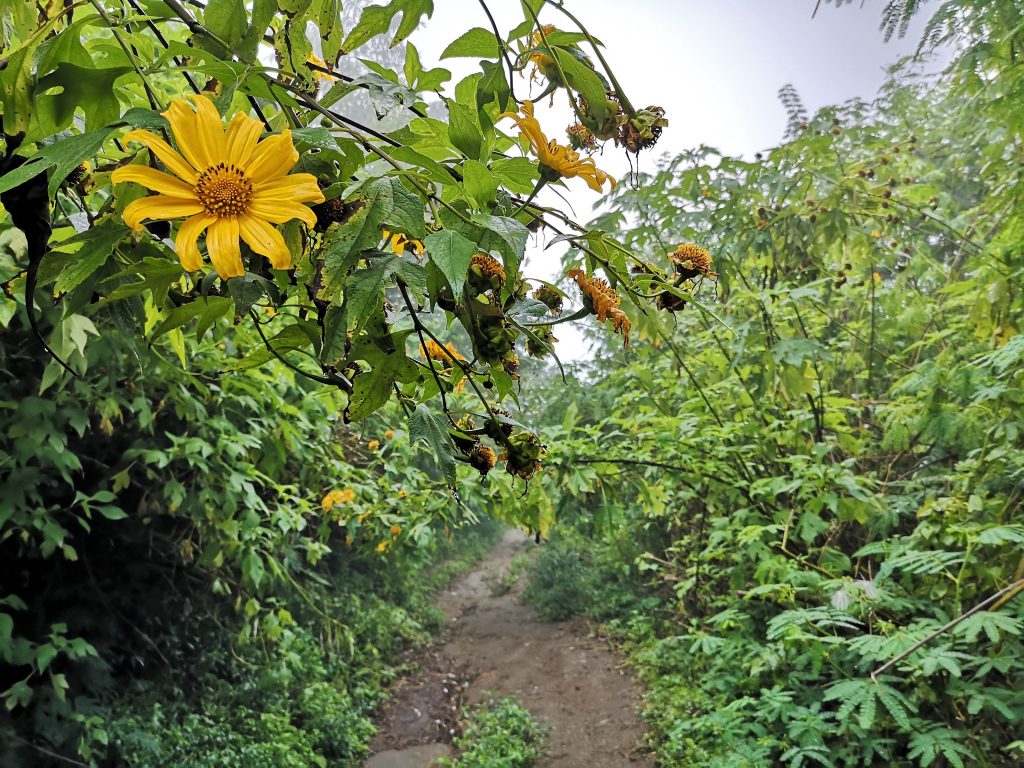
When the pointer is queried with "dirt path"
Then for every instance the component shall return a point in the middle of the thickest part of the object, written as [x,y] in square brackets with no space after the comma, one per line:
[494,643]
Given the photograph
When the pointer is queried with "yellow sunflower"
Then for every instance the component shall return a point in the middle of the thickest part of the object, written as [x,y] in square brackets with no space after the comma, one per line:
[225,181]
[557,160]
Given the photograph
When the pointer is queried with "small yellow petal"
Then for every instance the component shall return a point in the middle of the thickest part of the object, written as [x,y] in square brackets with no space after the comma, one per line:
[165,154]
[158,181]
[186,242]
[222,245]
[272,158]
[159,207]
[242,136]
[266,241]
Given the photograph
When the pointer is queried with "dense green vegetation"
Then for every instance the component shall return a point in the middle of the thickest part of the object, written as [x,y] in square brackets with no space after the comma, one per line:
[227,496]
[807,494]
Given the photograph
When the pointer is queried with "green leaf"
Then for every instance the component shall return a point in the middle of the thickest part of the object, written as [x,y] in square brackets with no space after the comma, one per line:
[63,156]
[112,513]
[317,137]
[480,183]
[372,389]
[226,19]
[493,86]
[16,80]
[451,252]
[427,430]
[290,338]
[252,568]
[585,80]
[206,310]
[519,174]
[92,248]
[463,131]
[376,20]
[262,13]
[91,88]
[386,204]
[365,287]
[476,43]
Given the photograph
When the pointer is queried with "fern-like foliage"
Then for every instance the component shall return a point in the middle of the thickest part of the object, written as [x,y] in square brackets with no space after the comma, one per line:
[796,112]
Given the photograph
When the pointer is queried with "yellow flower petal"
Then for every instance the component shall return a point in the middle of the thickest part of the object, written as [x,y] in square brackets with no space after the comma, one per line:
[210,130]
[241,138]
[186,243]
[272,159]
[165,154]
[182,119]
[222,245]
[158,181]
[265,240]
[280,211]
[159,207]
[298,188]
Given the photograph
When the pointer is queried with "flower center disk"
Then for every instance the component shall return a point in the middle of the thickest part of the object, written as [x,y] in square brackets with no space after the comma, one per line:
[224,190]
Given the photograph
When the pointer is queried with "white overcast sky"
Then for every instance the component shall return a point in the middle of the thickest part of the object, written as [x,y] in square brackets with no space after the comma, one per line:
[714,65]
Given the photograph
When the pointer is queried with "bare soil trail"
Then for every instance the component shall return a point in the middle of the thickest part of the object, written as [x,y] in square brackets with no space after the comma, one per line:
[496,644]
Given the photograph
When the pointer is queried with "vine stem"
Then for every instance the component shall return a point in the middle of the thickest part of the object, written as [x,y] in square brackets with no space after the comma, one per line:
[503,47]
[1012,589]
[340,378]
[154,101]
[604,63]
[558,64]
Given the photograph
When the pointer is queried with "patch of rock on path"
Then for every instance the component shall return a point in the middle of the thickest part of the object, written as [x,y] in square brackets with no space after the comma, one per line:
[496,644]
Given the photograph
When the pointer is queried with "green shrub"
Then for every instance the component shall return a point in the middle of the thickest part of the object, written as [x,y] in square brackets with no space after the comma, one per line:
[499,734]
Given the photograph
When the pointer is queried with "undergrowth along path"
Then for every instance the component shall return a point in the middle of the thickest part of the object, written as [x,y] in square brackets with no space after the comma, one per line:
[496,644]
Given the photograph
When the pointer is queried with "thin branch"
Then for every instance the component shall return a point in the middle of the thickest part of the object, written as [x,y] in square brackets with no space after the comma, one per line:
[1015,587]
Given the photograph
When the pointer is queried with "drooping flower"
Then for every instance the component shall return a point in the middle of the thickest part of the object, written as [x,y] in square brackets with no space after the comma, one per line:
[399,243]
[549,297]
[445,355]
[482,459]
[337,497]
[691,260]
[485,273]
[643,130]
[603,301]
[227,183]
[580,137]
[542,62]
[557,160]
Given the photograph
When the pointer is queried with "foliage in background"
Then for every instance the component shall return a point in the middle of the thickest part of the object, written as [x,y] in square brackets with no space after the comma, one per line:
[814,491]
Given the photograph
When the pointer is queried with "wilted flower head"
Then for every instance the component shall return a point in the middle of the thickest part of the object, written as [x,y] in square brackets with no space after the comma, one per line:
[603,301]
[691,260]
